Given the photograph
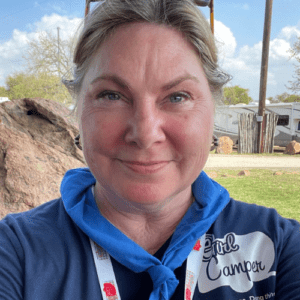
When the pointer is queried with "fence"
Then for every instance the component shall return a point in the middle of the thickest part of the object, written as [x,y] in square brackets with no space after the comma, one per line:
[269,132]
[247,135]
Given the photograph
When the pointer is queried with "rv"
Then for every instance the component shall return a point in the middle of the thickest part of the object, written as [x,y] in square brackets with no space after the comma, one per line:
[287,129]
[3,99]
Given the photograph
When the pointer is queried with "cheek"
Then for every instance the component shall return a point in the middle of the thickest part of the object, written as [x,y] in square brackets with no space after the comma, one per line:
[101,131]
[194,127]
[192,135]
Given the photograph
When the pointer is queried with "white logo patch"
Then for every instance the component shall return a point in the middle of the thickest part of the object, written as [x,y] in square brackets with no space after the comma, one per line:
[236,261]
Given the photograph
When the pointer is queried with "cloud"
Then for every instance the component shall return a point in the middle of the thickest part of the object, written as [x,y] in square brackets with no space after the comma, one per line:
[226,41]
[290,32]
[50,23]
[244,62]
[11,51]
[279,49]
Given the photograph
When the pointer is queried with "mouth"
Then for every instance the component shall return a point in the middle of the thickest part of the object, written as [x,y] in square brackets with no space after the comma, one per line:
[145,167]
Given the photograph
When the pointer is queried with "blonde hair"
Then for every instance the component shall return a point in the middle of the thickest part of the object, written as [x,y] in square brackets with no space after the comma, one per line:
[183,15]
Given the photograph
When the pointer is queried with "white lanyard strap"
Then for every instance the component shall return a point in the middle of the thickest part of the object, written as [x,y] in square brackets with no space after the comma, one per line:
[105,272]
[107,279]
[193,268]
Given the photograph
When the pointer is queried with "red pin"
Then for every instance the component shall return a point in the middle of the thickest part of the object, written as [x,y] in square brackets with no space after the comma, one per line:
[188,294]
[109,289]
[197,246]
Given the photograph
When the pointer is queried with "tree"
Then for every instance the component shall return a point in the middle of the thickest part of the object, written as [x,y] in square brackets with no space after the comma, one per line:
[273,100]
[41,85]
[3,92]
[285,98]
[48,60]
[51,55]
[281,98]
[292,98]
[236,94]
[295,52]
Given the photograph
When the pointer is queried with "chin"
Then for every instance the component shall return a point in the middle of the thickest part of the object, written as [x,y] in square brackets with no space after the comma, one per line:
[142,193]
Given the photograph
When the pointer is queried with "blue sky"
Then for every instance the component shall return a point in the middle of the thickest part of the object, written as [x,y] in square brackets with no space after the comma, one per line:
[238,28]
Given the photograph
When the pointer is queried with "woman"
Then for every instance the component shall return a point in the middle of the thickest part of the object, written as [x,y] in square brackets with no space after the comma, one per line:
[144,221]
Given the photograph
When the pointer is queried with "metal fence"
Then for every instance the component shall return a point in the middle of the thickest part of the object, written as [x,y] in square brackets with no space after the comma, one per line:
[247,134]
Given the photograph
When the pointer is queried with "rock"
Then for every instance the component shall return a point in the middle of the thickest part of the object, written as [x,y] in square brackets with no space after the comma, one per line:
[225,145]
[292,148]
[36,149]
[212,174]
[277,173]
[244,173]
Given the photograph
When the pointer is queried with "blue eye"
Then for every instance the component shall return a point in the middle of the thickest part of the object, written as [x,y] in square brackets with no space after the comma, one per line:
[109,96]
[179,97]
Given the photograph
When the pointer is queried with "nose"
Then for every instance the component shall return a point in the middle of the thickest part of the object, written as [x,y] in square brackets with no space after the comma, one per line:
[145,126]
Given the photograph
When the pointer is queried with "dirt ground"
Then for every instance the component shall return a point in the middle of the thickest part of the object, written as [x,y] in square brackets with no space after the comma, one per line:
[223,161]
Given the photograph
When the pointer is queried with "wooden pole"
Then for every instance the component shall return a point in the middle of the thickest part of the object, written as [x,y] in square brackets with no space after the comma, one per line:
[87,7]
[264,73]
[211,6]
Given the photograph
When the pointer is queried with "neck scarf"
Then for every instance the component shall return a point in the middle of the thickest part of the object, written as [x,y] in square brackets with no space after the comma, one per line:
[79,202]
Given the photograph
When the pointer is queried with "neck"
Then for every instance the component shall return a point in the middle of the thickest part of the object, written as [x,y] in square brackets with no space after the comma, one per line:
[149,225]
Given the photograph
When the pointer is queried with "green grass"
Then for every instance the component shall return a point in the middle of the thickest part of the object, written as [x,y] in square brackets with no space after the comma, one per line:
[262,187]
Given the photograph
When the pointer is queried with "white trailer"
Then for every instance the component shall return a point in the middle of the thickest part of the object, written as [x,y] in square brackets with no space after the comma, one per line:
[3,99]
[287,129]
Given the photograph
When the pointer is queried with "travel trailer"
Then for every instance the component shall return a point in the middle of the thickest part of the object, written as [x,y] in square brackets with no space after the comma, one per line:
[3,99]
[287,129]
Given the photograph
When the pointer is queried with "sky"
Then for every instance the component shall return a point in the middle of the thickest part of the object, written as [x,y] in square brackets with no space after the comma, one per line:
[238,29]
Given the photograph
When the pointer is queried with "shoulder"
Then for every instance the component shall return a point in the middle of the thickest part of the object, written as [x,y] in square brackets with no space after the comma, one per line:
[47,213]
[39,244]
[245,217]
[46,224]
[252,248]
[264,230]
[259,226]
[44,229]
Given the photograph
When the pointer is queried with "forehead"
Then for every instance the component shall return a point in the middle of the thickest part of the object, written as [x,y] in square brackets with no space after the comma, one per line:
[140,50]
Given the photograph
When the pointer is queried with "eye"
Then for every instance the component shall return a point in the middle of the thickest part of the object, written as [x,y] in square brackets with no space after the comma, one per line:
[179,97]
[108,95]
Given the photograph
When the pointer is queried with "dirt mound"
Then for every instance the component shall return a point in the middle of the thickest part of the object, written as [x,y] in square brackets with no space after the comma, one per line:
[36,149]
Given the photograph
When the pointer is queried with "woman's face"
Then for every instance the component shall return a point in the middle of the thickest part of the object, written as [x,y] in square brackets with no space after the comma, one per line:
[146,114]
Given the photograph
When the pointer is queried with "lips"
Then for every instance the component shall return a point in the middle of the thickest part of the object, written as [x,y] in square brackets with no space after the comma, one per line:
[144,163]
[145,167]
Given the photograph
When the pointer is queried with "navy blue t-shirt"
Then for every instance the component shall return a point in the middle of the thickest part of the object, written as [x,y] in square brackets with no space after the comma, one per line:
[250,253]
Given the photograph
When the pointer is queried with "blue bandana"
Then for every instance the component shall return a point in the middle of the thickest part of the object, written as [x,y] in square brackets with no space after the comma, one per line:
[79,202]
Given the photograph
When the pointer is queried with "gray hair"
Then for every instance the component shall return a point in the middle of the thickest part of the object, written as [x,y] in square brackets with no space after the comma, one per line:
[182,15]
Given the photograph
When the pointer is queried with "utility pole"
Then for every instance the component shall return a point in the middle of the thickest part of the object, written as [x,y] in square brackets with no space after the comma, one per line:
[211,6]
[58,54]
[264,75]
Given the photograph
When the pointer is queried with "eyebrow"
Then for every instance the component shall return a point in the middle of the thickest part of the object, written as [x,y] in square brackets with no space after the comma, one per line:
[121,83]
[114,78]
[177,81]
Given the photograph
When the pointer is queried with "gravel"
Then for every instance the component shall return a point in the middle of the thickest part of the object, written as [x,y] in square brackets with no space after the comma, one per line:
[223,161]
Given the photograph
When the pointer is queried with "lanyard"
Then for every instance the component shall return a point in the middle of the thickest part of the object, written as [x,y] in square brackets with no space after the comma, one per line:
[107,279]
